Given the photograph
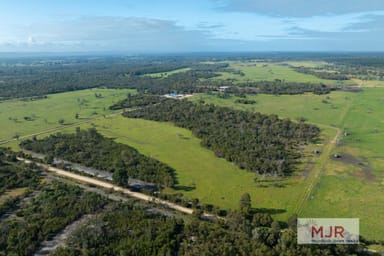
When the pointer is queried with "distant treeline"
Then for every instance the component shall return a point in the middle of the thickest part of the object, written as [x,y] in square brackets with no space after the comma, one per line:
[92,149]
[278,87]
[322,74]
[260,143]
[28,78]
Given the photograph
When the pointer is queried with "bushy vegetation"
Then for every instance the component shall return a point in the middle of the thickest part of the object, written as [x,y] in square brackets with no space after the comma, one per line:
[12,175]
[125,230]
[261,143]
[91,149]
[55,207]
[140,100]
[279,87]
[322,74]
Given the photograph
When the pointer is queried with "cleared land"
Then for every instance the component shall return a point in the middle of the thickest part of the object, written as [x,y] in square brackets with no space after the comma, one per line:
[259,71]
[20,118]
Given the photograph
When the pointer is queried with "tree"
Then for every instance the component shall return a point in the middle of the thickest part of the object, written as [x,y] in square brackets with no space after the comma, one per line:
[292,222]
[120,177]
[49,158]
[275,227]
[245,203]
[61,121]
[262,220]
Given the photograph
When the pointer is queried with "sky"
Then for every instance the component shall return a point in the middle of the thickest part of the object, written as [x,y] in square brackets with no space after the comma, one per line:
[170,26]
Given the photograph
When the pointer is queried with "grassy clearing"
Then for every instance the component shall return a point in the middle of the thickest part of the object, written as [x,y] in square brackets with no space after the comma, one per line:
[346,196]
[310,106]
[27,117]
[270,72]
[169,73]
[306,64]
[12,194]
[369,83]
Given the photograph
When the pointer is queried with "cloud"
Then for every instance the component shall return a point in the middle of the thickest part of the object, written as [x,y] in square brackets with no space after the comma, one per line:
[359,36]
[105,33]
[304,8]
[223,32]
[369,22]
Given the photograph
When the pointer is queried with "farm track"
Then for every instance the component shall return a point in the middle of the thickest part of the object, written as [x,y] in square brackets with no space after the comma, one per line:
[107,185]
[316,173]
[319,168]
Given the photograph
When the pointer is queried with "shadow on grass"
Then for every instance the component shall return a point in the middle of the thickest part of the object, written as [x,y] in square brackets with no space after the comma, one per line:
[267,210]
[184,188]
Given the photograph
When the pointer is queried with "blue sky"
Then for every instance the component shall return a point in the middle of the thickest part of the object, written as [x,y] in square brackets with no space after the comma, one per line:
[150,26]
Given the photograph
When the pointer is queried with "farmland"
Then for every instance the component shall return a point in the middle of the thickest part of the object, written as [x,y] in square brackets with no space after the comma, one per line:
[25,117]
[259,71]
[345,187]
[322,186]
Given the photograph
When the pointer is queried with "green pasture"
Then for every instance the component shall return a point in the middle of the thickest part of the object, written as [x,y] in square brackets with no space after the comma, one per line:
[22,118]
[306,64]
[323,109]
[259,71]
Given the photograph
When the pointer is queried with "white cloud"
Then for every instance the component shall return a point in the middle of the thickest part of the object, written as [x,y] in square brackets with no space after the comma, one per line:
[304,8]
[106,33]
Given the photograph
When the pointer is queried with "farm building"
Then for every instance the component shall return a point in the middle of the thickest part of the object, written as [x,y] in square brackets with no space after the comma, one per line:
[177,96]
[223,88]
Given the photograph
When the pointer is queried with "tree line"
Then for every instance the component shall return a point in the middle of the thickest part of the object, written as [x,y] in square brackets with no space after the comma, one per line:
[322,74]
[36,78]
[91,149]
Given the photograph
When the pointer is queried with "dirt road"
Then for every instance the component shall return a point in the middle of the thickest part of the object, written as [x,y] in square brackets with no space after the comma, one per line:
[108,185]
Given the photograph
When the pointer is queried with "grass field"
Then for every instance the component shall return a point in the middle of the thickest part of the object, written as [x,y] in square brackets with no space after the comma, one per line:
[272,71]
[27,117]
[352,186]
[310,106]
[306,64]
[166,74]
[369,83]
